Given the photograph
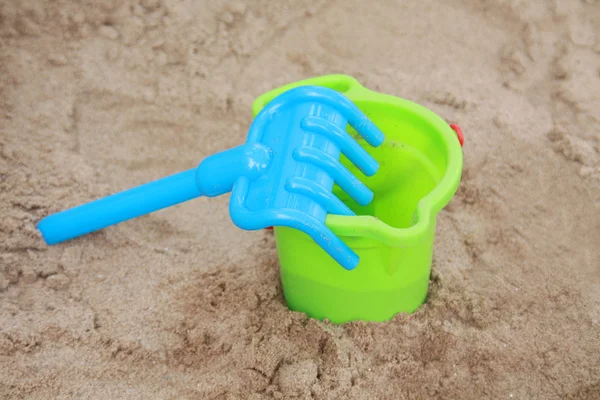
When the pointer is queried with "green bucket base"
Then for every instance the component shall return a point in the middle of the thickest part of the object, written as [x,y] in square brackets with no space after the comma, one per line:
[322,301]
[420,169]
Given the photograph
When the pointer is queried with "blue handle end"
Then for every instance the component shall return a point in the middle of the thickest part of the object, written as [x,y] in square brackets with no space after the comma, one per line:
[119,207]
[49,231]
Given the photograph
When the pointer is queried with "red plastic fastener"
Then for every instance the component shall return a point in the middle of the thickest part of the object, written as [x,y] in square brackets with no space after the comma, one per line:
[459,134]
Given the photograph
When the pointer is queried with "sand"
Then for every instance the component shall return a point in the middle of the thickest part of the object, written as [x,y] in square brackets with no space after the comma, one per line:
[98,97]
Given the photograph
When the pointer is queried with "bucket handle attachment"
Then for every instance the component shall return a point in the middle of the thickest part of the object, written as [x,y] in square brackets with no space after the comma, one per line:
[459,133]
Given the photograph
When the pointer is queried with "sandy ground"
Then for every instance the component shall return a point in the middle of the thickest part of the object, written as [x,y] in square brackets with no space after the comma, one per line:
[96,98]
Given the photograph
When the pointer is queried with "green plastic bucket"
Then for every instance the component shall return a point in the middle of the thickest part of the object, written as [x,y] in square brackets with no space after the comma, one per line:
[420,170]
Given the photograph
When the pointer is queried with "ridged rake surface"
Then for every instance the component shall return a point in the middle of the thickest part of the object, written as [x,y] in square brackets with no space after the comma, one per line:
[305,129]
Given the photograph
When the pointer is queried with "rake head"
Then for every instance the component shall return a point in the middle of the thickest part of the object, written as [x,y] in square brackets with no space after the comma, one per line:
[304,132]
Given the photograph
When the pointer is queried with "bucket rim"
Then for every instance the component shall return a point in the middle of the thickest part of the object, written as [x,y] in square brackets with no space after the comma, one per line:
[429,206]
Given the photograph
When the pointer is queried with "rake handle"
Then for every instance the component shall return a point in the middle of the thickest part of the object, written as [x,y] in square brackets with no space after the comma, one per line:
[119,207]
[214,176]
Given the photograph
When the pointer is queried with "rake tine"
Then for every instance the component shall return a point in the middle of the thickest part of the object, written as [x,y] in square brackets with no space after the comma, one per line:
[344,178]
[313,191]
[355,153]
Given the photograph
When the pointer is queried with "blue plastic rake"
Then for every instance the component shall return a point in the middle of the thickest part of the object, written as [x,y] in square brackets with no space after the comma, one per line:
[282,176]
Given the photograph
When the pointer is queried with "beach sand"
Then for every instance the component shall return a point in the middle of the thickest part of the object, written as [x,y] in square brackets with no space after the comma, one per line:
[100,96]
